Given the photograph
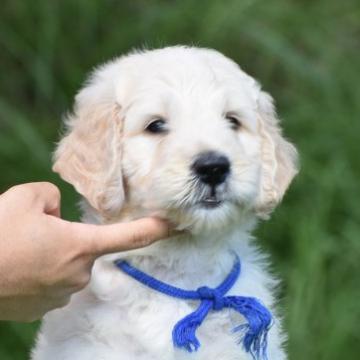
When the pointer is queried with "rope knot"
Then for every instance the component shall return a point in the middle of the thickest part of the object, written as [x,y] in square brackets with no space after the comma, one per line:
[214,295]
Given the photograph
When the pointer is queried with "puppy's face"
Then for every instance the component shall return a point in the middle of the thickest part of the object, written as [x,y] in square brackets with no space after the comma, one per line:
[191,147]
[178,132]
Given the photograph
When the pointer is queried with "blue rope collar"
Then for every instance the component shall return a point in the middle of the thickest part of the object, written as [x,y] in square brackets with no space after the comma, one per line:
[258,317]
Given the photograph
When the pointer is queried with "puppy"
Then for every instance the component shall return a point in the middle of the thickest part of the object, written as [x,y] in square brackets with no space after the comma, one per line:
[182,133]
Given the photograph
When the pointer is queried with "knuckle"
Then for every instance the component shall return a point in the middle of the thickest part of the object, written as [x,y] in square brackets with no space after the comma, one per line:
[52,189]
[140,239]
[24,191]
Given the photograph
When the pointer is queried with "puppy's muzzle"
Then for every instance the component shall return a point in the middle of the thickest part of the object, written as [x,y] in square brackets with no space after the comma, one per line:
[211,168]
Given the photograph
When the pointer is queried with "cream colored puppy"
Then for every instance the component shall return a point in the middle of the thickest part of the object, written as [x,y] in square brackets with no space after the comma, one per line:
[185,134]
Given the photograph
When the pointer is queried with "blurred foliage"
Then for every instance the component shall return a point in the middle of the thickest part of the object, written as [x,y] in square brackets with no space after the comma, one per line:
[304,52]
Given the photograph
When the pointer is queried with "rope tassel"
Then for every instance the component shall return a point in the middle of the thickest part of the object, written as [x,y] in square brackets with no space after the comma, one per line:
[184,331]
[259,322]
[258,317]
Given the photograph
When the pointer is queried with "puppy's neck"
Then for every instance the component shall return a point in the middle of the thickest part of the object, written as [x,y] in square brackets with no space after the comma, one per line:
[187,246]
[188,260]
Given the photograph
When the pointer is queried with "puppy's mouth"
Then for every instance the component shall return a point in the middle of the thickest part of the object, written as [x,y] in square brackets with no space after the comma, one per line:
[210,198]
[210,202]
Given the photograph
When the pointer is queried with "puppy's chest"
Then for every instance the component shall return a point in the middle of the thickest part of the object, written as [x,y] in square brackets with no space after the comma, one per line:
[147,324]
[148,319]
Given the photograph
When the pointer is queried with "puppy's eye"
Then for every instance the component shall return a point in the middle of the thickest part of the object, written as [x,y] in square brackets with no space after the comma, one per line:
[157,126]
[234,121]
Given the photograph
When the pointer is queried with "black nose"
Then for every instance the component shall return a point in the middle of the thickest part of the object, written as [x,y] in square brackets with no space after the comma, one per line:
[212,168]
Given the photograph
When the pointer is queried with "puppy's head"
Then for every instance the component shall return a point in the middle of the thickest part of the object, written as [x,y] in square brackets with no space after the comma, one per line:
[179,132]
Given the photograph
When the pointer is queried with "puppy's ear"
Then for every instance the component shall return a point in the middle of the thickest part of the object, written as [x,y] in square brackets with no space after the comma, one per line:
[89,155]
[279,158]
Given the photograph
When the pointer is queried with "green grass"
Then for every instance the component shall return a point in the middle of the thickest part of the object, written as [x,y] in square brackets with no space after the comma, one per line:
[306,54]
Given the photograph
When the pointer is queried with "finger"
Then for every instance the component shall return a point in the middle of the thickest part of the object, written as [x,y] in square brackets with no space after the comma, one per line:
[40,196]
[47,195]
[104,239]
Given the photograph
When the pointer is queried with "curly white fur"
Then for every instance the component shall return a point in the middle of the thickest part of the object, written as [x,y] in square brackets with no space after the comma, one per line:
[123,173]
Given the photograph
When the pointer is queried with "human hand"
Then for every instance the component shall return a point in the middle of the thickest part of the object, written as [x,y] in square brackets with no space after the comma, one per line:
[44,259]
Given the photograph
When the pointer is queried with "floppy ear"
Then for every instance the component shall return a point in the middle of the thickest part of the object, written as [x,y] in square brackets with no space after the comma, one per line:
[88,157]
[279,158]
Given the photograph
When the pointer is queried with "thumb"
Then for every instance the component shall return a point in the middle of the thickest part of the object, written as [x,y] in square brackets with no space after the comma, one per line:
[105,239]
